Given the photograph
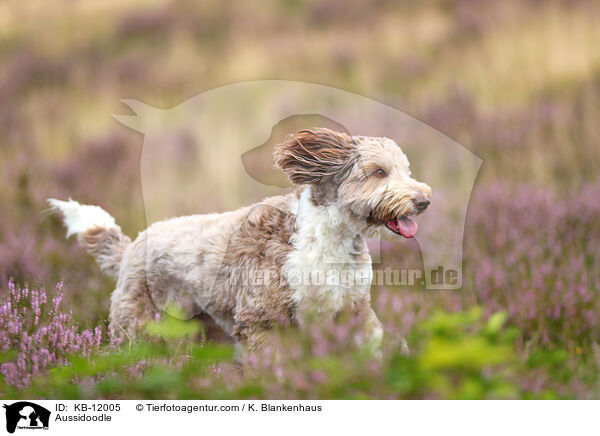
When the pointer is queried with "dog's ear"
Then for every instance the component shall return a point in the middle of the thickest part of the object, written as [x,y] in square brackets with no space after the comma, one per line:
[311,156]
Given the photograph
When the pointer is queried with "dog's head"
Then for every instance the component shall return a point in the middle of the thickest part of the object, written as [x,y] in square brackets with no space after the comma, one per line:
[367,178]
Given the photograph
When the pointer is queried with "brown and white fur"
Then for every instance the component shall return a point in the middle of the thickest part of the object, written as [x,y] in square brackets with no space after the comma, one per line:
[347,189]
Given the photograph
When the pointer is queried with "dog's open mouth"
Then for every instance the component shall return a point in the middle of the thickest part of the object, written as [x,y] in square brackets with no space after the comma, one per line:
[403,226]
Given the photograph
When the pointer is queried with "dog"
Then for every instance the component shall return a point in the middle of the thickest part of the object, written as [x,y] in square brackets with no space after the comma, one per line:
[347,189]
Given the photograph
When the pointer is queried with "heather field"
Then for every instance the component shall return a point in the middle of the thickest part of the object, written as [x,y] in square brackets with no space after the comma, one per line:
[515,82]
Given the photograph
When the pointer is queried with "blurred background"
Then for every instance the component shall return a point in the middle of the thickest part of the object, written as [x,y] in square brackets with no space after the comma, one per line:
[516,82]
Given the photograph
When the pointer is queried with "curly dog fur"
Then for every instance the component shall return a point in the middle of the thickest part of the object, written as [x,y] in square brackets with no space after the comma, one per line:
[255,267]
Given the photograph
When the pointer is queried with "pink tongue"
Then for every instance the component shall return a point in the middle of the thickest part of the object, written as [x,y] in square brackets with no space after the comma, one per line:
[405,226]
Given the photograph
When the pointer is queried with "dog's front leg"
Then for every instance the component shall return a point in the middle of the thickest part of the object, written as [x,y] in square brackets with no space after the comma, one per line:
[251,338]
[372,330]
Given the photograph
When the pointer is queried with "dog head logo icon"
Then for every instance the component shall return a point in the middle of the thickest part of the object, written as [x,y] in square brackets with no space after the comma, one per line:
[26,415]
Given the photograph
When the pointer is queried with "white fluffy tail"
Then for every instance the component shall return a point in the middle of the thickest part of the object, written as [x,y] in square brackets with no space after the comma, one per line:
[79,218]
[96,230]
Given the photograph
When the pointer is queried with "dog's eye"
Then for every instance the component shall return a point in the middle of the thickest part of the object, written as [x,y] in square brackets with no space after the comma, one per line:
[380,173]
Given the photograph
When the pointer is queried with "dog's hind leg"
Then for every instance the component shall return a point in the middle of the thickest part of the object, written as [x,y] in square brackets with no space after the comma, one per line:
[131,307]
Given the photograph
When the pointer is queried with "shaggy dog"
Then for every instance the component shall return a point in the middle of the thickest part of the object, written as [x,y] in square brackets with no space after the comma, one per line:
[263,265]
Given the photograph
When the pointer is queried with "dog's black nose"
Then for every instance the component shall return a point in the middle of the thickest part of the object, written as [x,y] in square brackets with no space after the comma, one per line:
[421,202]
